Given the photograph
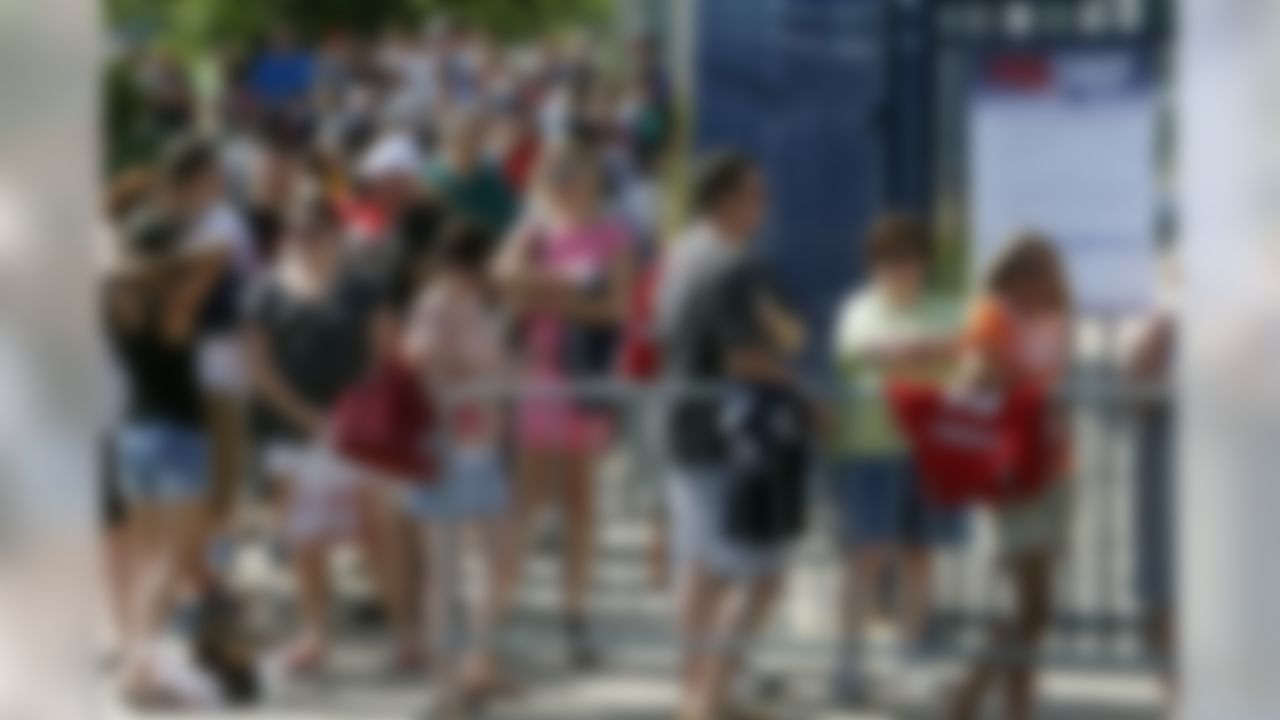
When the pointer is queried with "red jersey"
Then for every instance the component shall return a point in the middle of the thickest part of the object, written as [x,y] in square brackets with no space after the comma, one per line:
[977,448]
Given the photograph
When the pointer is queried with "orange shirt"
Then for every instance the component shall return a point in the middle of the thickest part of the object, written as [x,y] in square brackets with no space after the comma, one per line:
[1026,349]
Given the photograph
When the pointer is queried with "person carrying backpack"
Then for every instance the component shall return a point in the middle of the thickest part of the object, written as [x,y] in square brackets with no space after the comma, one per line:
[724,332]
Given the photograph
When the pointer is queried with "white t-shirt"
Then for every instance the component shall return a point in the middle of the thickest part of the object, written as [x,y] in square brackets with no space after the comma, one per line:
[553,117]
[240,156]
[417,72]
[220,227]
[640,205]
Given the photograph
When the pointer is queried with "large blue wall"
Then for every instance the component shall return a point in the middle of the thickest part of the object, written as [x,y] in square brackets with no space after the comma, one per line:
[798,84]
[838,100]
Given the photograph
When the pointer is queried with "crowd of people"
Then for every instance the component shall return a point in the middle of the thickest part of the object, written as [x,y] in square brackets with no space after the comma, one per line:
[338,224]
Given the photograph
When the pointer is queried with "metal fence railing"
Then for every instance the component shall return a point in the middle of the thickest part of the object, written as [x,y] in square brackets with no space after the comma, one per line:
[1099,605]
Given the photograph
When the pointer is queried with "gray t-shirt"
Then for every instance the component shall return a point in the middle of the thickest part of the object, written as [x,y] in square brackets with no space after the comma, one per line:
[709,308]
[697,252]
[320,346]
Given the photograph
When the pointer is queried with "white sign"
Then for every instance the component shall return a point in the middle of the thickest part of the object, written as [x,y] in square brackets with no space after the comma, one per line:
[1064,144]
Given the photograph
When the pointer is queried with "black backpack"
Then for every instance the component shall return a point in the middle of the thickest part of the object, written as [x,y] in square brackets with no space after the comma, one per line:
[768,436]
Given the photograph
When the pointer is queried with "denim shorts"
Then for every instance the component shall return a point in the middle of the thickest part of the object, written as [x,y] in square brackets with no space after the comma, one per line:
[474,485]
[162,463]
[881,502]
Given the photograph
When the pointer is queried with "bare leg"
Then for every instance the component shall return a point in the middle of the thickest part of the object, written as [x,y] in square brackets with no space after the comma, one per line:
[863,570]
[579,502]
[383,536]
[162,537]
[535,475]
[742,626]
[916,573]
[1033,583]
[496,542]
[308,559]
[1161,644]
[120,567]
[184,556]
[467,671]
[225,420]
[860,582]
[312,575]
[701,602]
[1013,645]
[441,541]
[144,543]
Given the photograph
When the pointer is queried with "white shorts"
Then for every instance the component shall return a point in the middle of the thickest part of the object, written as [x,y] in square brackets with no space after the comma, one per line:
[322,489]
[697,505]
[221,365]
[1039,524]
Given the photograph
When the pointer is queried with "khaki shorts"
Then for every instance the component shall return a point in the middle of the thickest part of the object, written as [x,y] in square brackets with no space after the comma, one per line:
[1036,525]
[322,490]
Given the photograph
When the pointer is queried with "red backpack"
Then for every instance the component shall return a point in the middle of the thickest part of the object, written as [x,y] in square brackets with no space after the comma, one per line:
[641,357]
[977,448]
[384,423]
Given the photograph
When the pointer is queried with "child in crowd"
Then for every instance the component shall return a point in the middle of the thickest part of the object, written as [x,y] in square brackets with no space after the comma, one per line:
[455,337]
[890,328]
[1018,336]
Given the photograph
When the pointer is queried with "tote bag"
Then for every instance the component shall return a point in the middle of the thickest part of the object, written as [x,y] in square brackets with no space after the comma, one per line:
[976,447]
[384,423]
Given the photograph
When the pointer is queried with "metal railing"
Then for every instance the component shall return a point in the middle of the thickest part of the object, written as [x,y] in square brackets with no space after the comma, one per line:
[1098,609]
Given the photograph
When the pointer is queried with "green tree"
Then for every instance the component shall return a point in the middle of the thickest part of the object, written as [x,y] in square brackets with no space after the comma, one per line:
[197,25]
[517,18]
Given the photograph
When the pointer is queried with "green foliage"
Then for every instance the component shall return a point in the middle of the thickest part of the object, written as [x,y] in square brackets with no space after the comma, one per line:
[517,18]
[199,25]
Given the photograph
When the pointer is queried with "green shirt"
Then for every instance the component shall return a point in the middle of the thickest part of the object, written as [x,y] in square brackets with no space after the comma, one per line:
[482,195]
[867,322]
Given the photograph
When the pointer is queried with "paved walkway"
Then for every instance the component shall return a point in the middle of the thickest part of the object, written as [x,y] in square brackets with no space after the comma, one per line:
[632,617]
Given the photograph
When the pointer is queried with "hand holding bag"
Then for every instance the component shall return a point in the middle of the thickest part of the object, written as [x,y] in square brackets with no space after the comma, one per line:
[991,447]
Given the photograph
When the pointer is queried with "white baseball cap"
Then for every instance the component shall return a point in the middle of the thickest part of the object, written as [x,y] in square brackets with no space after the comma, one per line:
[395,154]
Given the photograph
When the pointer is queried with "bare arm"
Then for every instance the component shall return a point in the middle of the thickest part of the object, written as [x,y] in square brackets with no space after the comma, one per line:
[122,308]
[517,279]
[751,320]
[200,276]
[906,355]
[610,306]
[384,334]
[1150,357]
[787,330]
[757,365]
